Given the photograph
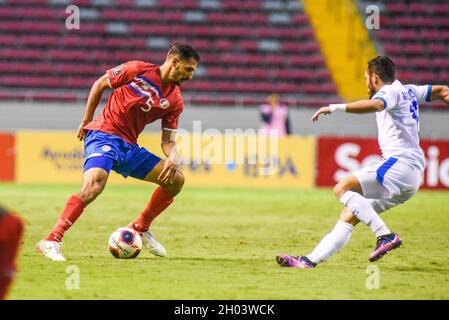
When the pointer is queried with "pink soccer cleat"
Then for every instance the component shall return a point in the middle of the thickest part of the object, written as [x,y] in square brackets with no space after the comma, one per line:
[384,245]
[287,261]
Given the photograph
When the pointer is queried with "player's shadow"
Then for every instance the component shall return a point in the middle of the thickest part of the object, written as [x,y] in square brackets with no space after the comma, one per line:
[201,259]
[426,269]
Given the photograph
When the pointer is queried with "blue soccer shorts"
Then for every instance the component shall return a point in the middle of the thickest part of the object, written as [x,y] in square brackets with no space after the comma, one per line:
[108,151]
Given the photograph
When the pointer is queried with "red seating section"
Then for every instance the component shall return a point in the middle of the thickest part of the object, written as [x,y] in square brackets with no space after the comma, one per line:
[249,48]
[415,34]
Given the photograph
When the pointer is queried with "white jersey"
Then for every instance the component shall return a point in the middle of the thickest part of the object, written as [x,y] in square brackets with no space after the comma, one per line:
[398,123]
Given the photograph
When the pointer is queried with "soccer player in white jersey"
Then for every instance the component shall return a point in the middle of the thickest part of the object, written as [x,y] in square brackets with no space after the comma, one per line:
[374,189]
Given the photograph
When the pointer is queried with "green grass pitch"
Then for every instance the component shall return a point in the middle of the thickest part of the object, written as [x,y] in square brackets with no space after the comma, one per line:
[221,244]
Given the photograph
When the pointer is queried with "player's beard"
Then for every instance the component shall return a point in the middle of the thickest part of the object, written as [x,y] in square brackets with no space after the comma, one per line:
[177,77]
[180,82]
[371,90]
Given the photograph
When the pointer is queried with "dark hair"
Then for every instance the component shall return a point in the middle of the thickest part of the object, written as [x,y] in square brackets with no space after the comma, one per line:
[384,67]
[184,51]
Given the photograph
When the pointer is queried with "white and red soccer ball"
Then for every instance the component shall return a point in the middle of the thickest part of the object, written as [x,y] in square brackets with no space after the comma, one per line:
[125,243]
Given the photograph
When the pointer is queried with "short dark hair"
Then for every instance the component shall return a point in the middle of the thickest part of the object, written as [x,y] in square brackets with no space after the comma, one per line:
[184,51]
[384,67]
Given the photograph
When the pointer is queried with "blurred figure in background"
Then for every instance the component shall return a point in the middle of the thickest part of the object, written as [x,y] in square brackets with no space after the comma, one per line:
[11,229]
[274,115]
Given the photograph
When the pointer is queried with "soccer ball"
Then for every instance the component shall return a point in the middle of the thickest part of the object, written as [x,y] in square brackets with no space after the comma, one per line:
[125,243]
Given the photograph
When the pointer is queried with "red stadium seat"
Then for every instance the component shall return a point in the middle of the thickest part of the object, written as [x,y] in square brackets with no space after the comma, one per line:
[397,7]
[415,36]
[237,41]
[224,44]
[441,8]
[239,5]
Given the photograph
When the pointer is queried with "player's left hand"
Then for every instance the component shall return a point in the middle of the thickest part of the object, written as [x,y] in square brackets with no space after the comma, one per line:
[323,110]
[81,134]
[167,174]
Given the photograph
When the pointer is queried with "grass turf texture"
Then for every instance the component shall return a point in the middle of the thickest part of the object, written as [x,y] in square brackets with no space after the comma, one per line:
[221,244]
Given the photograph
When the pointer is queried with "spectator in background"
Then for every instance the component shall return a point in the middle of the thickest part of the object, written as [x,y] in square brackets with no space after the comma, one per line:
[11,229]
[275,116]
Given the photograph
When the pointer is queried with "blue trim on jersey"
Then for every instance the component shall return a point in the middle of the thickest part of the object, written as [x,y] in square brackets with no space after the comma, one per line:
[429,91]
[152,83]
[135,90]
[140,94]
[382,170]
[385,101]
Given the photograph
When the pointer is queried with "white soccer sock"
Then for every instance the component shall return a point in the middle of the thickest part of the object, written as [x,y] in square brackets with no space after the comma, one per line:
[332,242]
[362,210]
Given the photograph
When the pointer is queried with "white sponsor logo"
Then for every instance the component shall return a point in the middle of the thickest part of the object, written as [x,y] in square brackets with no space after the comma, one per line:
[437,169]
[345,159]
[106,148]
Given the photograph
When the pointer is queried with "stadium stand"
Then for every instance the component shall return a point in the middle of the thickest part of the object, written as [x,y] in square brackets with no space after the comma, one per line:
[415,35]
[249,48]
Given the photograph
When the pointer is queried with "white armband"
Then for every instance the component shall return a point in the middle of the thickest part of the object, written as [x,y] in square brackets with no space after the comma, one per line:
[172,133]
[173,136]
[337,107]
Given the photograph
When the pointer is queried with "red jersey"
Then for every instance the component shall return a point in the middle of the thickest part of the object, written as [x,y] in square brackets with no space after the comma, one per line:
[11,229]
[139,98]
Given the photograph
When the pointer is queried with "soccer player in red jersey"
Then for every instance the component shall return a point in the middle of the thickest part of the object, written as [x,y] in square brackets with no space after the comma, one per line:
[11,229]
[142,93]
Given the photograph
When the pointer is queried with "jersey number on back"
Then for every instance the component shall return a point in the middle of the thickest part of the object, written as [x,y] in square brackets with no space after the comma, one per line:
[414,110]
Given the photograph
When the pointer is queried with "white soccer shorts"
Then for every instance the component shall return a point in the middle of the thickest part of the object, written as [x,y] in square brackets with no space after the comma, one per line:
[389,182]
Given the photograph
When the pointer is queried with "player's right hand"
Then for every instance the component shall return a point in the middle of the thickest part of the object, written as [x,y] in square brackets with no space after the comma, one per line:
[81,132]
[323,110]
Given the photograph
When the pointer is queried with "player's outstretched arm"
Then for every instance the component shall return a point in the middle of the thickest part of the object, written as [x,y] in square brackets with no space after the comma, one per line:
[440,92]
[93,100]
[361,106]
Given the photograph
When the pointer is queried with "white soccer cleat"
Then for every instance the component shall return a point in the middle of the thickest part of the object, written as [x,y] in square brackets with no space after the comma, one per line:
[51,249]
[150,242]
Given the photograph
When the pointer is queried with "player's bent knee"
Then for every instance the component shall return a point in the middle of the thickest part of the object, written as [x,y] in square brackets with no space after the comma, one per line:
[91,191]
[175,187]
[350,183]
[339,189]
[181,179]
[97,189]
[178,183]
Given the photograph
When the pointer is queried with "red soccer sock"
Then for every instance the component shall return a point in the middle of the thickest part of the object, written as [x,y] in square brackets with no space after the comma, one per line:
[11,230]
[5,282]
[72,211]
[160,200]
